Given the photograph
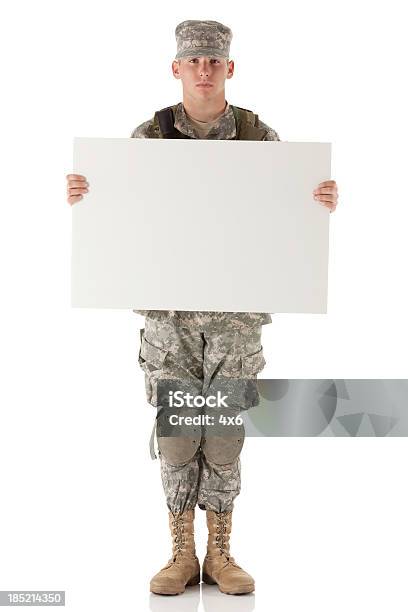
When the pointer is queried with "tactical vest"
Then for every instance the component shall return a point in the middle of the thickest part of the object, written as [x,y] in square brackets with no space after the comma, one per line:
[247,124]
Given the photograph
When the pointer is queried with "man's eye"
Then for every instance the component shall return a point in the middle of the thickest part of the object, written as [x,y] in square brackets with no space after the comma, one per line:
[194,59]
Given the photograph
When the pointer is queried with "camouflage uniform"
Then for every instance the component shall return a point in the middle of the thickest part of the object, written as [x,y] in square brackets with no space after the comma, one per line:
[201,350]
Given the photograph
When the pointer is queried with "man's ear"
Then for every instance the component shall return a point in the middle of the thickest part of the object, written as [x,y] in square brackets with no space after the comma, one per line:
[231,67]
[176,69]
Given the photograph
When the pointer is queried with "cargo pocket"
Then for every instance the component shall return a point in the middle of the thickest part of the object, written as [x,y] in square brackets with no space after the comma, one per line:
[151,359]
[252,364]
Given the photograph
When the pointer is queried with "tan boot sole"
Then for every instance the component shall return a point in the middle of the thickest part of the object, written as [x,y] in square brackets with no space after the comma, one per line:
[161,590]
[245,588]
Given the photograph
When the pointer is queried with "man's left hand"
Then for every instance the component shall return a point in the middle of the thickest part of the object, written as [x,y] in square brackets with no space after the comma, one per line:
[326,194]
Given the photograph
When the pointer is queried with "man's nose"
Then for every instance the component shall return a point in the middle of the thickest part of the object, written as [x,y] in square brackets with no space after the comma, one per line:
[204,69]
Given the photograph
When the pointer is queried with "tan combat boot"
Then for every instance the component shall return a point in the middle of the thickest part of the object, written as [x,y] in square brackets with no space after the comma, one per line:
[219,567]
[183,569]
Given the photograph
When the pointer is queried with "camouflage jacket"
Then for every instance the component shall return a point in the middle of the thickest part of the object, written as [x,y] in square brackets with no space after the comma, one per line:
[224,129]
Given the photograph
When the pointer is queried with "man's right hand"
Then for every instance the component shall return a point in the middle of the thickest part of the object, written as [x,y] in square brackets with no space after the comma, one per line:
[77,185]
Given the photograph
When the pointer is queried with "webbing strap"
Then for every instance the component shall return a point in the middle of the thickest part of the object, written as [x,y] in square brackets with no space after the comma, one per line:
[151,443]
[166,121]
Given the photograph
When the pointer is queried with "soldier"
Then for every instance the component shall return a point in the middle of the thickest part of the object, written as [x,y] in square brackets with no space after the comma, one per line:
[202,350]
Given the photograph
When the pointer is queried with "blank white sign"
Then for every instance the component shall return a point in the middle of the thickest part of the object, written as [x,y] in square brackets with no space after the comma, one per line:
[200,225]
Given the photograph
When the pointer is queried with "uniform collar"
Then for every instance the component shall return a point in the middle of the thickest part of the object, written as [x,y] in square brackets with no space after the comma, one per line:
[223,129]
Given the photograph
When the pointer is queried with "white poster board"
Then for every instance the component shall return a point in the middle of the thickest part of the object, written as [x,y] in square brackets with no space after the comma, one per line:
[200,225]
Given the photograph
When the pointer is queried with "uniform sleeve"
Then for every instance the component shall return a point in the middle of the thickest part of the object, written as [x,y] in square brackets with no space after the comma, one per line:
[271,134]
[142,130]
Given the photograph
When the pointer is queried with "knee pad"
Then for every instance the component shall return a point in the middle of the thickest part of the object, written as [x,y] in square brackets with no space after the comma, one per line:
[222,450]
[178,450]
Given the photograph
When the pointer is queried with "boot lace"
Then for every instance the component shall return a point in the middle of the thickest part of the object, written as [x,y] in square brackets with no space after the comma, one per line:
[179,538]
[222,538]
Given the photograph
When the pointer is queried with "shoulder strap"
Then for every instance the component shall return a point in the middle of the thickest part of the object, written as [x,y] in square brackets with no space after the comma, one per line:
[247,124]
[165,118]
[163,124]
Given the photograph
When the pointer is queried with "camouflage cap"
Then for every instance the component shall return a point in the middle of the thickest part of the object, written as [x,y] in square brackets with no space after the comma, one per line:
[195,38]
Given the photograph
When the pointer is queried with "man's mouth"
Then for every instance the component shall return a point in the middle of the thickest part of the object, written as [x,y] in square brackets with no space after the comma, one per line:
[204,84]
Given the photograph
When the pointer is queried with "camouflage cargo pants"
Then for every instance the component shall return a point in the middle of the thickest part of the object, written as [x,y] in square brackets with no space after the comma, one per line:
[201,467]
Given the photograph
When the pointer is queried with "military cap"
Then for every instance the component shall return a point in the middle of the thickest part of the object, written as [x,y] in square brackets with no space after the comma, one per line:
[196,38]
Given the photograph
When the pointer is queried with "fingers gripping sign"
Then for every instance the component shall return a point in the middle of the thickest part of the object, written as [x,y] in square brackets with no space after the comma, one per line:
[77,186]
[326,194]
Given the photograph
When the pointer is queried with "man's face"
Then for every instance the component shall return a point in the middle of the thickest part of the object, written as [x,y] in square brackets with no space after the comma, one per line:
[203,77]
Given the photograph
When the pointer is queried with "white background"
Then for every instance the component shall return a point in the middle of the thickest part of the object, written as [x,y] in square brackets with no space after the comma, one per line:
[320,523]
